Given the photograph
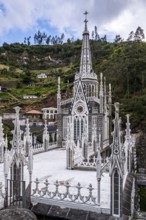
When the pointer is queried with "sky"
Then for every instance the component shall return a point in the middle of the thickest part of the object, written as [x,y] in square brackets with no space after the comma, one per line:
[19,18]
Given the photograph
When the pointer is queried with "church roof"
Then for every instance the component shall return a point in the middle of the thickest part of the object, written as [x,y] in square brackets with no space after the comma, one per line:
[36,112]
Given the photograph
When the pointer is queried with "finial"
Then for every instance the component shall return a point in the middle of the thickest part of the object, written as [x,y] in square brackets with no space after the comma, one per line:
[17,109]
[45,127]
[117,106]
[101,75]
[101,84]
[1,129]
[6,142]
[85,13]
[59,86]
[110,90]
[59,80]
[27,127]
[128,130]
[110,95]
[105,99]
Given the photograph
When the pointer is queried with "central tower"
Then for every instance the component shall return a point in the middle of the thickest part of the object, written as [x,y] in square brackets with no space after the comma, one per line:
[85,116]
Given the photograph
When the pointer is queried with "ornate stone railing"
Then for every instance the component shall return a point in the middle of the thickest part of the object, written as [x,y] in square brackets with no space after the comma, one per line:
[52,145]
[91,163]
[39,148]
[64,191]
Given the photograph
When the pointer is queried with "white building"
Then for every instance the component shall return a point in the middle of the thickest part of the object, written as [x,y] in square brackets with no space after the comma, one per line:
[49,113]
[42,76]
[30,97]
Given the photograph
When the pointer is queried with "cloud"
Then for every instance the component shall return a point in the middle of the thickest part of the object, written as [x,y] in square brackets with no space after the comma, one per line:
[110,16]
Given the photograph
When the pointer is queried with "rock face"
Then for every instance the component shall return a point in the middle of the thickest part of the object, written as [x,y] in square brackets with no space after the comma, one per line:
[17,214]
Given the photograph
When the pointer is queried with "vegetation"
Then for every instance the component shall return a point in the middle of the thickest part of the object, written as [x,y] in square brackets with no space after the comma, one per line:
[123,64]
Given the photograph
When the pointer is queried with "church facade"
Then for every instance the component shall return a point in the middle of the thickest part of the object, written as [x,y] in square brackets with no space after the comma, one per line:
[84,118]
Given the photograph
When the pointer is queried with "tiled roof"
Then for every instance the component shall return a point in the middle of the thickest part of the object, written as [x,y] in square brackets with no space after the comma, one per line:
[34,112]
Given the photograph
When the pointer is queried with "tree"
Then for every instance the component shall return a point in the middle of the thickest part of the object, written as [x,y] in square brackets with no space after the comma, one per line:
[139,34]
[40,38]
[62,37]
[68,40]
[104,38]
[72,39]
[118,39]
[35,38]
[27,77]
[131,36]
[25,40]
[48,40]
[53,40]
[93,35]
[28,40]
[97,37]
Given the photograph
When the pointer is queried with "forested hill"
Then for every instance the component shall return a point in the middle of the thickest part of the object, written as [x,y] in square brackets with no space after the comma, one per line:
[123,64]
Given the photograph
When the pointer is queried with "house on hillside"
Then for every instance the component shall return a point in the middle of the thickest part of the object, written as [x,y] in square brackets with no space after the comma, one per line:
[3,89]
[35,117]
[30,97]
[49,114]
[42,76]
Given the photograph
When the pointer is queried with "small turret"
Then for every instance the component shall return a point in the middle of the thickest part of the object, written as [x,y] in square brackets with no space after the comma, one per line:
[2,141]
[116,171]
[17,133]
[27,138]
[128,130]
[46,136]
[105,99]
[101,93]
[59,98]
[110,99]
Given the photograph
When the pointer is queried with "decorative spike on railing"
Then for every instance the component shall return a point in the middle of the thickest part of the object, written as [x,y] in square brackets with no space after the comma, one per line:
[65,192]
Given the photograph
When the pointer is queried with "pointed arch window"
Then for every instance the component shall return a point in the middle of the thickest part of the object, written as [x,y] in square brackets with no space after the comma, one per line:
[78,127]
[116,193]
[93,93]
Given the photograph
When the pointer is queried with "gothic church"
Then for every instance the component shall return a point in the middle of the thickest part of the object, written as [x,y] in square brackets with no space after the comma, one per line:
[84,118]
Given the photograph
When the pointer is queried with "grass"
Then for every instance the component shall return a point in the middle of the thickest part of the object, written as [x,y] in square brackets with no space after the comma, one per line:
[5,95]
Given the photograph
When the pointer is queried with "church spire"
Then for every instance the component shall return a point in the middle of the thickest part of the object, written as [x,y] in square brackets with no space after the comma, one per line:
[86,63]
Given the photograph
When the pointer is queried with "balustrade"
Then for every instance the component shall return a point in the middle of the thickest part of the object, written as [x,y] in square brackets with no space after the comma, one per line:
[65,192]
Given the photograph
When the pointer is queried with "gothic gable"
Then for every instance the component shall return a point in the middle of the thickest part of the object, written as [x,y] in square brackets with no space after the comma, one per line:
[79,103]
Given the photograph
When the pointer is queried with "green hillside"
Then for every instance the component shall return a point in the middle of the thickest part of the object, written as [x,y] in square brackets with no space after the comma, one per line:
[123,64]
